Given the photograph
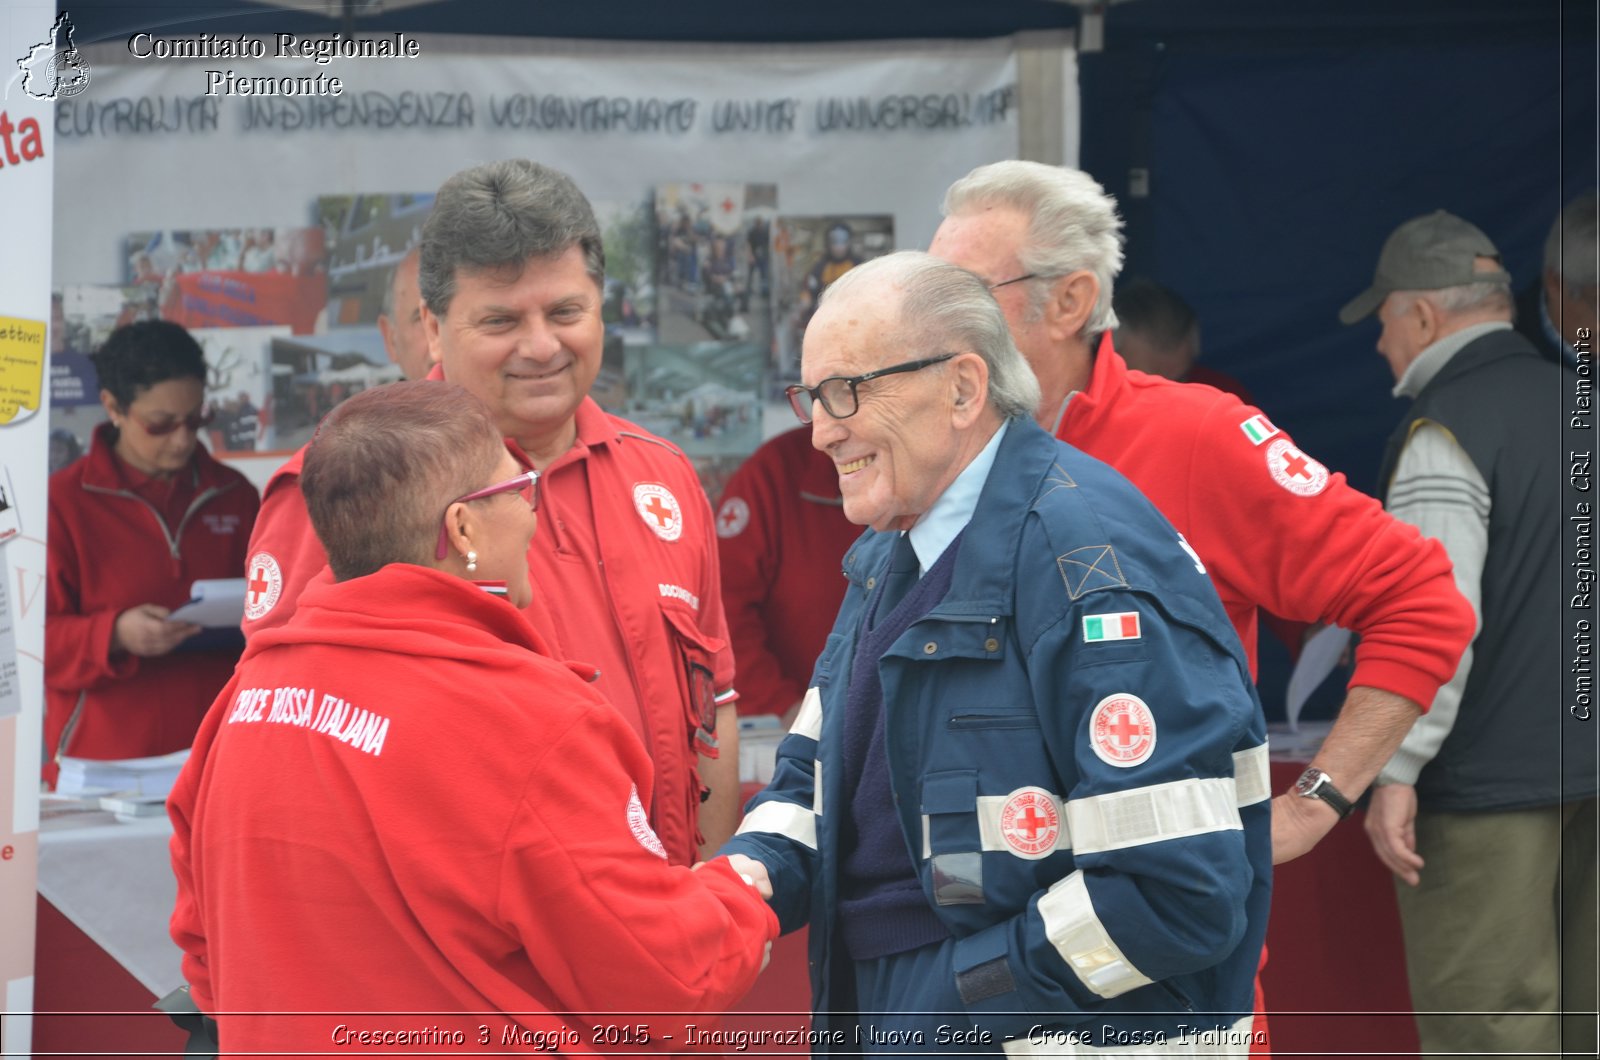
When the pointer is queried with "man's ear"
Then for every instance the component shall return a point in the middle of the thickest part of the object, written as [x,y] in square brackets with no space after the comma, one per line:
[970,378]
[113,410]
[1427,317]
[1071,303]
[430,327]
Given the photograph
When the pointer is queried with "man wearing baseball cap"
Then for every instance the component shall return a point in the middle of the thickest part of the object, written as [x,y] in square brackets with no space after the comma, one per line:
[1494,841]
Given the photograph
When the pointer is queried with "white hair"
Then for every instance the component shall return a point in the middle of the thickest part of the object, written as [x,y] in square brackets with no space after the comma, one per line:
[945,308]
[1472,297]
[1072,225]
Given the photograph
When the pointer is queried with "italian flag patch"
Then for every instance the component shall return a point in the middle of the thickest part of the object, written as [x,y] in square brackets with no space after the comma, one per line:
[1124,625]
[1258,429]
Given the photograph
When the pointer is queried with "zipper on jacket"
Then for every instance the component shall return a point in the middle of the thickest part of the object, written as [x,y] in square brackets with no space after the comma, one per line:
[172,539]
[70,727]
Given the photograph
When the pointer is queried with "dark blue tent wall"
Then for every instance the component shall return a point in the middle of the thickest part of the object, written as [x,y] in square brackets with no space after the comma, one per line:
[1283,145]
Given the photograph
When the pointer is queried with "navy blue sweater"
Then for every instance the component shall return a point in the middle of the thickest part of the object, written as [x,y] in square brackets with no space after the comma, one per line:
[882,907]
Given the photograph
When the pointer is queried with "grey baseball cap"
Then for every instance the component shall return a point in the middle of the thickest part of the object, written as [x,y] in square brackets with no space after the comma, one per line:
[1426,253]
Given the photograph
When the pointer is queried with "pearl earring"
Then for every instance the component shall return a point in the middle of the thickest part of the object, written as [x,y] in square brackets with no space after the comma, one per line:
[472,561]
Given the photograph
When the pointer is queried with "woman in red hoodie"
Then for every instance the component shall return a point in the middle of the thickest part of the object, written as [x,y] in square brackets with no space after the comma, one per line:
[404,824]
[133,525]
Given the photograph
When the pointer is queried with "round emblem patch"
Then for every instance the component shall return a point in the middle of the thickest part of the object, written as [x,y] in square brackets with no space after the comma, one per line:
[1294,470]
[639,825]
[1030,823]
[659,509]
[263,584]
[733,517]
[1122,730]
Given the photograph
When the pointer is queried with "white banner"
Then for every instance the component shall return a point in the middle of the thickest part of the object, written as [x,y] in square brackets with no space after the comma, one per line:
[35,69]
[732,143]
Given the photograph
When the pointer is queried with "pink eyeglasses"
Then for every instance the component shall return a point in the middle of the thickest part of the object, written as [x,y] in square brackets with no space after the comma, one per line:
[526,484]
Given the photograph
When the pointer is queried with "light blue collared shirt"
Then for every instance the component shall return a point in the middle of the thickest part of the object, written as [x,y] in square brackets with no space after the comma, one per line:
[953,510]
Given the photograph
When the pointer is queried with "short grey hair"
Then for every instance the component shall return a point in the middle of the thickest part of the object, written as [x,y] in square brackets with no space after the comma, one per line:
[1072,224]
[1472,297]
[946,309]
[499,216]
[1570,250]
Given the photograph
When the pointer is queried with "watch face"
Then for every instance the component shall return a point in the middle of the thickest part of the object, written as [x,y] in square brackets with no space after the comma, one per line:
[1308,781]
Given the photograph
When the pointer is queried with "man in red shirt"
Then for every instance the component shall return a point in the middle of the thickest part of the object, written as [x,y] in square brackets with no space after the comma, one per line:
[1272,526]
[782,536]
[511,278]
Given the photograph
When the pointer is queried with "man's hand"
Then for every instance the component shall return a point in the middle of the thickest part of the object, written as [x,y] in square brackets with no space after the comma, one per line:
[754,873]
[144,630]
[1391,825]
[750,870]
[1298,824]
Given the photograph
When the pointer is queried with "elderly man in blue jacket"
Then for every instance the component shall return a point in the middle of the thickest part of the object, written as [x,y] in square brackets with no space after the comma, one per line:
[1025,803]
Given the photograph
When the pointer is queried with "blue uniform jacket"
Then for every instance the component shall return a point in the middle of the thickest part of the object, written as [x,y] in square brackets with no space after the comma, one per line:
[1078,760]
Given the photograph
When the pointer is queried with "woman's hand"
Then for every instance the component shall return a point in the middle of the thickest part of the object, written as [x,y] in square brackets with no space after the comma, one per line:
[144,630]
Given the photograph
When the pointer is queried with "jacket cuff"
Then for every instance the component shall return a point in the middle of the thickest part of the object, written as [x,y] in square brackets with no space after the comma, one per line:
[1402,679]
[1403,768]
[108,665]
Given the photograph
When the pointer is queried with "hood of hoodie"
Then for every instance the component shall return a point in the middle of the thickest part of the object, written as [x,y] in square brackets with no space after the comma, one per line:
[407,610]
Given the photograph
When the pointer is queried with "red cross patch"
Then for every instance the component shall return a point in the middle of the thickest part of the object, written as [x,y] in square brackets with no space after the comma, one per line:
[1294,470]
[1030,823]
[659,509]
[263,584]
[639,825]
[733,517]
[1122,731]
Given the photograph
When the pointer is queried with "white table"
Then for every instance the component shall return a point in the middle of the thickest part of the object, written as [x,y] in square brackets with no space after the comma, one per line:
[114,880]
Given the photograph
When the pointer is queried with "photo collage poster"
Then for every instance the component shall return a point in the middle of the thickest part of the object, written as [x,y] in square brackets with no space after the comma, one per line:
[708,291]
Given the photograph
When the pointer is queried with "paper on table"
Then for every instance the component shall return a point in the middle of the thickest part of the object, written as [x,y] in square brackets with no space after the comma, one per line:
[217,602]
[1317,660]
[153,776]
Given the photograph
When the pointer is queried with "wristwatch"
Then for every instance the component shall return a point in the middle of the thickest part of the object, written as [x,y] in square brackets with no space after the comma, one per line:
[1315,784]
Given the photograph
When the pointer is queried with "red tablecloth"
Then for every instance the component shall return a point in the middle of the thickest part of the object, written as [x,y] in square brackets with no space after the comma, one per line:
[1335,981]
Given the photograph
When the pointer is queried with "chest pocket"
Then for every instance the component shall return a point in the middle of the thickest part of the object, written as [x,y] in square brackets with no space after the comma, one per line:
[694,657]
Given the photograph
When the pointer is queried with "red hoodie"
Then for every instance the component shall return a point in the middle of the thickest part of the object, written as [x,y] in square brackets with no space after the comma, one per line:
[400,808]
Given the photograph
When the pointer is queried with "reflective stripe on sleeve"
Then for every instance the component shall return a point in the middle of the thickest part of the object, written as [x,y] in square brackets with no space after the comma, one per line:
[782,818]
[1137,816]
[809,721]
[1140,815]
[1252,775]
[1075,931]
[990,836]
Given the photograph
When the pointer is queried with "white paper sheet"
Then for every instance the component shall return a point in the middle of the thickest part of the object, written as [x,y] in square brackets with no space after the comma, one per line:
[217,602]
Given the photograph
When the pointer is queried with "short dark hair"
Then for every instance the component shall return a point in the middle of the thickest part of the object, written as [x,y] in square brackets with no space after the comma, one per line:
[137,356]
[385,465]
[1154,311]
[499,216]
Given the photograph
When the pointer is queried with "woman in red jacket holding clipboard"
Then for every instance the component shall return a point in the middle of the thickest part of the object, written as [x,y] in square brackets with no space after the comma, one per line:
[133,525]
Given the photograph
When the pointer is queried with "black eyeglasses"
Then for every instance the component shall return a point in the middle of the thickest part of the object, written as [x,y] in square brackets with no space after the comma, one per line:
[1014,279]
[838,392]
